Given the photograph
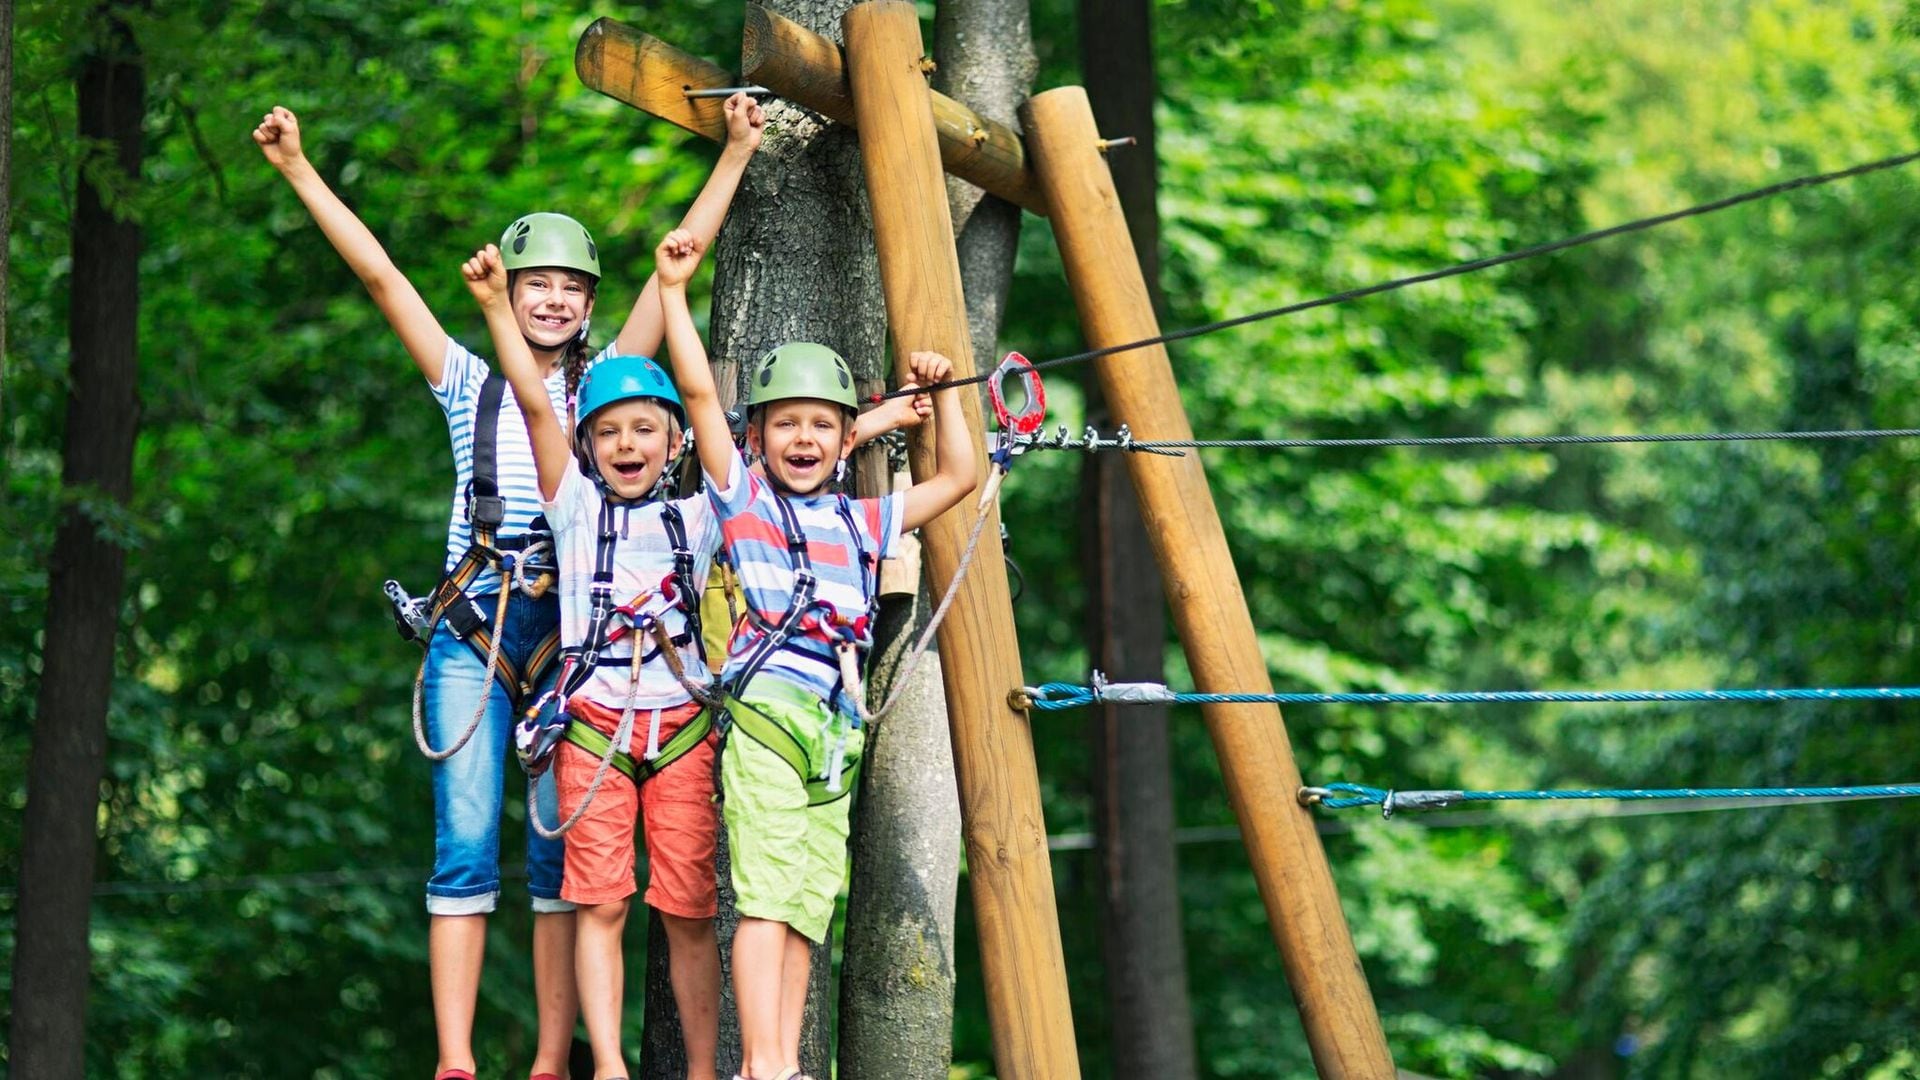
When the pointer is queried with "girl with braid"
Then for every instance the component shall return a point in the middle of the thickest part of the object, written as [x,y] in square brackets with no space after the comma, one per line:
[554,271]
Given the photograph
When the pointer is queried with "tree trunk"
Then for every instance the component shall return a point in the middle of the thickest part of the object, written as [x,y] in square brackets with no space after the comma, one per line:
[6,169]
[50,960]
[985,58]
[1151,1023]
[795,261]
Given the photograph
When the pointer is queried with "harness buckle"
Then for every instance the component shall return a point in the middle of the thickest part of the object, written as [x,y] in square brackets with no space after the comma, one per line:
[486,511]
[463,616]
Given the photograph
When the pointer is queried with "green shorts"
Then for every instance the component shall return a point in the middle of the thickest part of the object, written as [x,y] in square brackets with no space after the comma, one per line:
[789,858]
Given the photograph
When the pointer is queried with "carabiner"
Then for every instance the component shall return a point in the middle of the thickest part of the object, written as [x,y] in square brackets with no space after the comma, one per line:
[1032,396]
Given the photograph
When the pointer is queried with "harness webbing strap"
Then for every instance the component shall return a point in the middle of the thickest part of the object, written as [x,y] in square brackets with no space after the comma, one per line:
[485,508]
[486,511]
[774,635]
[544,655]
[686,596]
[600,603]
[768,733]
[595,742]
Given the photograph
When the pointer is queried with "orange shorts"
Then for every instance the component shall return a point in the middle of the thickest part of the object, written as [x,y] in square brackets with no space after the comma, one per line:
[675,807]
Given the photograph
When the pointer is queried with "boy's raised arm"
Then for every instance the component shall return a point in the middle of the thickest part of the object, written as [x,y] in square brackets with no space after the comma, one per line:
[956,472]
[397,299]
[893,414]
[642,333]
[674,262]
[487,278]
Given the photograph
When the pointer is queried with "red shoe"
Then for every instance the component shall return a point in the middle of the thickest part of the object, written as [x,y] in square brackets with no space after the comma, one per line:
[454,1074]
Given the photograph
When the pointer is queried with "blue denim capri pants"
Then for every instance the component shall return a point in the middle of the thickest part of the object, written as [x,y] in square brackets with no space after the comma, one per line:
[469,788]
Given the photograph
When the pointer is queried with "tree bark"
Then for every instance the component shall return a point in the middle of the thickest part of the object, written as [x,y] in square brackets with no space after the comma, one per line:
[1150,1020]
[51,957]
[896,979]
[795,261]
[985,58]
[6,171]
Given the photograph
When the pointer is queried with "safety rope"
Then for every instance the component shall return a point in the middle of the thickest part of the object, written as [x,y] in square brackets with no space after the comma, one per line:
[1486,263]
[1054,695]
[1341,796]
[622,734]
[1169,445]
[702,692]
[903,674]
[518,580]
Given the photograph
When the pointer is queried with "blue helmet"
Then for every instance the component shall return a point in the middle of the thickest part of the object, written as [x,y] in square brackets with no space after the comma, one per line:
[623,378]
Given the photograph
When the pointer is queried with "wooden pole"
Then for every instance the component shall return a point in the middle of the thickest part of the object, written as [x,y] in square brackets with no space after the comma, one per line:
[804,67]
[635,67]
[1008,869]
[1209,608]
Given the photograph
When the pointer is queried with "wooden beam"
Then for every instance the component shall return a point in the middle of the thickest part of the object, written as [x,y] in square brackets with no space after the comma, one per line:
[808,69]
[1009,872]
[635,67]
[1256,761]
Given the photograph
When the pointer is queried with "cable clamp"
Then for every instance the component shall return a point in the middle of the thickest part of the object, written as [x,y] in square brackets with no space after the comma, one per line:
[1417,800]
[1130,693]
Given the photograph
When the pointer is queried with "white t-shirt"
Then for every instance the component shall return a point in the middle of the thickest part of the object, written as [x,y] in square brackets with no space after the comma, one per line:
[642,559]
[459,396]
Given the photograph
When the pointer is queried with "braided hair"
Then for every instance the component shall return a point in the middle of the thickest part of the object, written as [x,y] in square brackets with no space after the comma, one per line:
[574,363]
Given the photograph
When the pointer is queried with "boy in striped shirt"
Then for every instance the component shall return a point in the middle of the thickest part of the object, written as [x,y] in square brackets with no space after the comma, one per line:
[808,559]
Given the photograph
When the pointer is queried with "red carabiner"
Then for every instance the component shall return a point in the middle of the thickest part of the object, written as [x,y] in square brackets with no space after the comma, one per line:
[1032,395]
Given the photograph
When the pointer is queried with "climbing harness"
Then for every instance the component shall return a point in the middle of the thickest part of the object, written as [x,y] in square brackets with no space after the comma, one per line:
[806,614]
[536,737]
[524,562]
[608,623]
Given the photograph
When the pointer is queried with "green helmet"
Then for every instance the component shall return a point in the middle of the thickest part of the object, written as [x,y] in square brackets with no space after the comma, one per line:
[802,369]
[549,240]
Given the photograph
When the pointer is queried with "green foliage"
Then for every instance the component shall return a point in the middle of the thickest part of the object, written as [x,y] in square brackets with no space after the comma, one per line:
[289,461]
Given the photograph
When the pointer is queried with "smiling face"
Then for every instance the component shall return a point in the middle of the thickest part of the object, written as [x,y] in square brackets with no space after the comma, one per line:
[550,304]
[632,441]
[801,439]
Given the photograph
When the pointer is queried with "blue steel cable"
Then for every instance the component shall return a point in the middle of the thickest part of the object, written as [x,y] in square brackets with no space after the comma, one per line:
[1341,796]
[1053,696]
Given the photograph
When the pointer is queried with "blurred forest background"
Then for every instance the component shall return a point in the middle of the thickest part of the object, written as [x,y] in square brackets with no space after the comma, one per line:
[265,825]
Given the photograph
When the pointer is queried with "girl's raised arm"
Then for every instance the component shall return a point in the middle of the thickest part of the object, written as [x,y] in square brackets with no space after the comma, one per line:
[642,334]
[279,139]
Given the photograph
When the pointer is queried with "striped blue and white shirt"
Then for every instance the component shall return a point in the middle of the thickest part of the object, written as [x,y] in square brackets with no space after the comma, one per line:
[459,396]
[757,544]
